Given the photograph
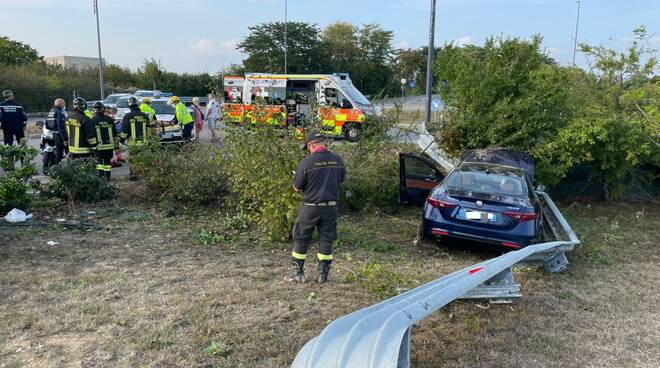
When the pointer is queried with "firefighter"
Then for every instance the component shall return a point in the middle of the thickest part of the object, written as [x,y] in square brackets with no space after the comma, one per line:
[182,116]
[317,178]
[106,139]
[134,124]
[80,131]
[146,108]
[12,119]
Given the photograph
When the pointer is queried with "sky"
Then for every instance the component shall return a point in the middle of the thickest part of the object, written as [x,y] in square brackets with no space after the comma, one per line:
[201,35]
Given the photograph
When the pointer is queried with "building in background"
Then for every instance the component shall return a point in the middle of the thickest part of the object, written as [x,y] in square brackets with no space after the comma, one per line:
[78,62]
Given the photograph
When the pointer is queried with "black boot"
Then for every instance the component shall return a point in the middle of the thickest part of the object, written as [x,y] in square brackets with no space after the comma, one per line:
[323,269]
[299,271]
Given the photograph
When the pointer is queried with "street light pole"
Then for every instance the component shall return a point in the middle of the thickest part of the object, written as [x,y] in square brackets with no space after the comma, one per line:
[98,36]
[577,22]
[429,66]
[286,22]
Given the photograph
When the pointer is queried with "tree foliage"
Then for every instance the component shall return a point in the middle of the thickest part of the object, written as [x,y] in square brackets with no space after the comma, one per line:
[16,53]
[508,93]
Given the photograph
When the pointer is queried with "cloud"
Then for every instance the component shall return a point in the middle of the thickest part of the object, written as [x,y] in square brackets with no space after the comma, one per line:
[205,46]
[402,45]
[462,41]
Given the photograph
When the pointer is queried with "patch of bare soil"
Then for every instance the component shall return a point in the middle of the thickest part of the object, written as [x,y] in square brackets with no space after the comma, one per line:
[140,289]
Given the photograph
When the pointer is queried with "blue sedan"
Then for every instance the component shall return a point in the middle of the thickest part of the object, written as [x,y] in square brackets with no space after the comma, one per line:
[487,198]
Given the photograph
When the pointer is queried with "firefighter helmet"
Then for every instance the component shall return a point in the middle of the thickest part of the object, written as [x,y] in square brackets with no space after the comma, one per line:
[79,104]
[147,100]
[173,100]
[133,102]
[98,106]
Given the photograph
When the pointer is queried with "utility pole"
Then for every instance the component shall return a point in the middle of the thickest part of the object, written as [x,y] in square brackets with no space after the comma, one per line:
[577,22]
[429,66]
[98,36]
[286,22]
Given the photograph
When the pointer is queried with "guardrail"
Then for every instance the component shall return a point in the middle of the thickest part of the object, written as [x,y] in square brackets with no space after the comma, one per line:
[379,336]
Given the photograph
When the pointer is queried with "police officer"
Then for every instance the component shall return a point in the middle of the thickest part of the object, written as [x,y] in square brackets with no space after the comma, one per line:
[182,116]
[57,119]
[317,178]
[134,124]
[12,119]
[106,139]
[80,131]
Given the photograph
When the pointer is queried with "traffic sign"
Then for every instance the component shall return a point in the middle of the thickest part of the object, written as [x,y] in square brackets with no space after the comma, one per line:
[403,80]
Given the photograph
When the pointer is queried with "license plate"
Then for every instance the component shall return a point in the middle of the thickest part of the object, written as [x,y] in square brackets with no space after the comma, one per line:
[478,215]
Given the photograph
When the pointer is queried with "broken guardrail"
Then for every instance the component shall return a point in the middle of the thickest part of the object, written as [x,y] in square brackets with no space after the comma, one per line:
[379,336]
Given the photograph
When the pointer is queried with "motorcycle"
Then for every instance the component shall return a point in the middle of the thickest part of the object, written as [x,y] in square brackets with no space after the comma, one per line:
[48,144]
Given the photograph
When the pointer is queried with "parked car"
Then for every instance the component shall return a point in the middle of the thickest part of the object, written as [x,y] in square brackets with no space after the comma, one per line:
[122,107]
[111,100]
[488,198]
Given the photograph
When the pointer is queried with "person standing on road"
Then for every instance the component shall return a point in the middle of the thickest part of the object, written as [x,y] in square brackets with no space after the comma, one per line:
[106,139]
[182,116]
[318,178]
[57,119]
[212,111]
[12,119]
[198,115]
[80,131]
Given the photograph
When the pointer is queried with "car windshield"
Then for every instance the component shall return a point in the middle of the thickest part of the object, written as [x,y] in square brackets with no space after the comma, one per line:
[162,108]
[122,103]
[112,99]
[498,182]
[356,95]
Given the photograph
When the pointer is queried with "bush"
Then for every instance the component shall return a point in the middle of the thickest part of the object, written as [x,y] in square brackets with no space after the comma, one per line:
[181,177]
[78,180]
[260,164]
[372,166]
[16,163]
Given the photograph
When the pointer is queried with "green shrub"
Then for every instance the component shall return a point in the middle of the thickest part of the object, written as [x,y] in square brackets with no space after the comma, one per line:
[78,180]
[16,163]
[181,177]
[372,166]
[260,164]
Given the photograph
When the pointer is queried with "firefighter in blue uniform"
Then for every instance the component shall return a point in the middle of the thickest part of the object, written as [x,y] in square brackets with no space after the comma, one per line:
[80,131]
[106,139]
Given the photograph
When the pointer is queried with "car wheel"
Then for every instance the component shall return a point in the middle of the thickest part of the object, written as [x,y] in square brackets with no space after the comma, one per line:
[352,132]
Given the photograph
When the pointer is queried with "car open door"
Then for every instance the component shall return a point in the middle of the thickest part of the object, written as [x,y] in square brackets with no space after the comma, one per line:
[417,177]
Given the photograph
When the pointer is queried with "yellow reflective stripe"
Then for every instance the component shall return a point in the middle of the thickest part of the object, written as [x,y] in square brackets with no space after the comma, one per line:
[76,131]
[79,150]
[298,255]
[98,134]
[100,167]
[324,257]
[105,147]
[92,141]
[133,131]
[340,117]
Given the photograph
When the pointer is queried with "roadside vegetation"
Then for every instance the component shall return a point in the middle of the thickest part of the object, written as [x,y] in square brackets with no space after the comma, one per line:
[605,120]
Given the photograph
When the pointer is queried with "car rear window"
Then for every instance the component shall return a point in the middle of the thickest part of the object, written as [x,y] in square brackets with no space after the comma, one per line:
[122,103]
[506,184]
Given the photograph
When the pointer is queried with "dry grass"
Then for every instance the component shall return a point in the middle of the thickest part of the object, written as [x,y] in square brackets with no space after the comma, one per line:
[141,291]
